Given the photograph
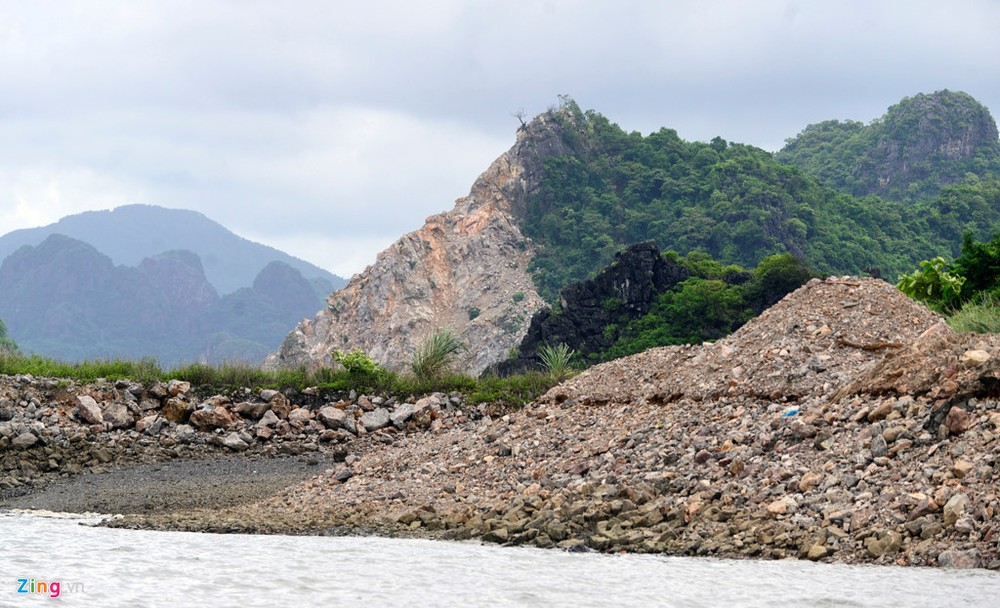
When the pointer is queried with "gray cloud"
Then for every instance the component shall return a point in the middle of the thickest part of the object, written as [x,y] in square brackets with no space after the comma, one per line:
[329,128]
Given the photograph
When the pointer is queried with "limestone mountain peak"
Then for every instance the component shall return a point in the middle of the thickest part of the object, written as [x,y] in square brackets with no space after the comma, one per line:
[465,269]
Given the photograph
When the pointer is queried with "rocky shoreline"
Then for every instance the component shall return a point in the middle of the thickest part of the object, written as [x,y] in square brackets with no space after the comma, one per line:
[125,448]
[846,424]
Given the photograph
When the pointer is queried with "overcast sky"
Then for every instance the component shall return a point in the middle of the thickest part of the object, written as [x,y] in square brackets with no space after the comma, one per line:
[328,129]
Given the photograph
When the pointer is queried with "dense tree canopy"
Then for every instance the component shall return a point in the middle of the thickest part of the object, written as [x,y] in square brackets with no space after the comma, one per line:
[735,202]
[979,264]
[946,287]
[966,291]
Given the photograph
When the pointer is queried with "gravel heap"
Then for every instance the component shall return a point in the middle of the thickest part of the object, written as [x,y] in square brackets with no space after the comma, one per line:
[804,346]
[846,423]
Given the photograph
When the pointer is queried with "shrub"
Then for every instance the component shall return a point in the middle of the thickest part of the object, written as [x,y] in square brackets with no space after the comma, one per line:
[435,355]
[933,285]
[556,360]
[355,362]
[473,313]
[775,277]
[360,372]
[612,304]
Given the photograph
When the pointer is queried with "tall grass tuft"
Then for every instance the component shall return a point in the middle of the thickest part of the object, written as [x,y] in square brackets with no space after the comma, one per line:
[980,316]
[195,373]
[436,355]
[556,360]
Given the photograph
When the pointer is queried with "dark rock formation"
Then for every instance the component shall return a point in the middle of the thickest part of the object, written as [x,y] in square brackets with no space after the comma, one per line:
[622,291]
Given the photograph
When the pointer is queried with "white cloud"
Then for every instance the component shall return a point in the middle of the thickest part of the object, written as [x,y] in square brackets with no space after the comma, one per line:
[344,255]
[36,195]
[357,120]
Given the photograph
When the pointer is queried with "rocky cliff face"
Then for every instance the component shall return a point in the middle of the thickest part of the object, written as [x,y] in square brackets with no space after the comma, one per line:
[466,269]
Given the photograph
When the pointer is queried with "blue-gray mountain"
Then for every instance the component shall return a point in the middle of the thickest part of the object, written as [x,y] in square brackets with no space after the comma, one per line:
[131,233]
[65,299]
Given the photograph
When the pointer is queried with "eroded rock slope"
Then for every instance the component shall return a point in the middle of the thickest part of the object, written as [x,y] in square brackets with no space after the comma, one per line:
[466,269]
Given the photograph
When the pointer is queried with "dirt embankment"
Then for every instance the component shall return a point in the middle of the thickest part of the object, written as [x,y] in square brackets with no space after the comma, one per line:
[846,423]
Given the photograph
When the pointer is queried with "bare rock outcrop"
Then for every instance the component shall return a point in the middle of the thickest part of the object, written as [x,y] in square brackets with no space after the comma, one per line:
[466,269]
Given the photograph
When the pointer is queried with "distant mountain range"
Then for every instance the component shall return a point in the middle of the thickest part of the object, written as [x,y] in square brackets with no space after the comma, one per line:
[138,281]
[131,233]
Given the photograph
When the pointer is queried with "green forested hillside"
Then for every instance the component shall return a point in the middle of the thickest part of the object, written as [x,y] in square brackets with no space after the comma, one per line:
[712,303]
[920,145]
[733,201]
[648,298]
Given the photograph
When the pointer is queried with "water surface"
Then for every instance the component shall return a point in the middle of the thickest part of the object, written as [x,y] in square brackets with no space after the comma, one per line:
[107,567]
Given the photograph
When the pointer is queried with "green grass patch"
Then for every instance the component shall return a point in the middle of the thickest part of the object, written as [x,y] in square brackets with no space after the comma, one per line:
[513,391]
[981,316]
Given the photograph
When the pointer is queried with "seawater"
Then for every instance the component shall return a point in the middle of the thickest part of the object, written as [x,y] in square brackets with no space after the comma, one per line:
[108,567]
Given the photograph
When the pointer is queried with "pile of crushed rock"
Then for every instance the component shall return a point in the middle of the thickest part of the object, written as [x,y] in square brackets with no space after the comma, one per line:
[804,347]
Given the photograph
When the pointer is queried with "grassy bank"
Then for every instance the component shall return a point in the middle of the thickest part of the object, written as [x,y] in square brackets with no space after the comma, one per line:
[512,391]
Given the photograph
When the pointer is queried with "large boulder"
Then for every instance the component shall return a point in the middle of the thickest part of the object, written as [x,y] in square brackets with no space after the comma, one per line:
[117,415]
[178,388]
[24,440]
[401,414]
[332,417]
[268,420]
[234,442]
[299,418]
[278,403]
[210,416]
[375,419]
[177,410]
[88,410]
[252,410]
